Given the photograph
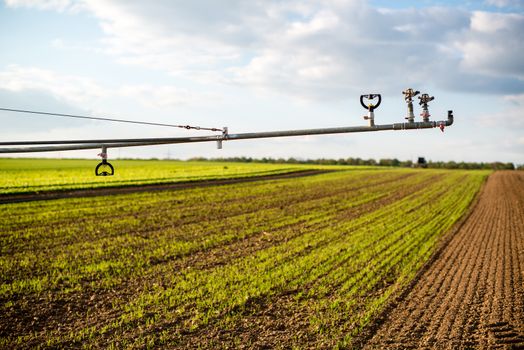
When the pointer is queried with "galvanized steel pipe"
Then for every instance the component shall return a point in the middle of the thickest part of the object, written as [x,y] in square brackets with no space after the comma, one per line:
[69,145]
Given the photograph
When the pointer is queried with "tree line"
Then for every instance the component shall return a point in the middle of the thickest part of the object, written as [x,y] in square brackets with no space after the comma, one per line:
[370,162]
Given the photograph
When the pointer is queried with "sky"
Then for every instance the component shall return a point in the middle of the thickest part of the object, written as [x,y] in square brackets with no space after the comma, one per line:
[262,66]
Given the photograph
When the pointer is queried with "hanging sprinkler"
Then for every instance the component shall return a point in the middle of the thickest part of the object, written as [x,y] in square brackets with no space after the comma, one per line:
[104,168]
[408,96]
[370,106]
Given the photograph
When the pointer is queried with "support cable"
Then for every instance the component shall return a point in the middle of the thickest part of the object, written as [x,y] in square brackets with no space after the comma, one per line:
[188,127]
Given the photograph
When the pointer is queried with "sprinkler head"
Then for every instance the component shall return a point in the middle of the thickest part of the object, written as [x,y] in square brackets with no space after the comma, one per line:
[409,94]
[425,99]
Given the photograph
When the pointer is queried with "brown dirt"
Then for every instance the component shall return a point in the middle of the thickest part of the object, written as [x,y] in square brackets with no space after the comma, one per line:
[105,191]
[472,294]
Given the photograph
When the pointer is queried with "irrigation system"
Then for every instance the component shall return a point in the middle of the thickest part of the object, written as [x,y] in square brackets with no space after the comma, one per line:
[370,102]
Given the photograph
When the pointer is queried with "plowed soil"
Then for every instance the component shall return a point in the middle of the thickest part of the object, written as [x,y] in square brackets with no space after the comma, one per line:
[472,295]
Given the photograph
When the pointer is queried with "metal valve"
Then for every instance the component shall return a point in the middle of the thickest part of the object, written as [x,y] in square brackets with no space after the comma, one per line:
[424,100]
[408,96]
[370,106]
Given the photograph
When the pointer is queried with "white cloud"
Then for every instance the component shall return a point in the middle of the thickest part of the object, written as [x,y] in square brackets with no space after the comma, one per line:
[494,44]
[515,99]
[163,95]
[86,91]
[510,117]
[504,3]
[318,49]
[57,5]
[74,89]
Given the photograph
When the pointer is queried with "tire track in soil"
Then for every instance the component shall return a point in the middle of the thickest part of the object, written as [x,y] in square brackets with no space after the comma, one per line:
[472,296]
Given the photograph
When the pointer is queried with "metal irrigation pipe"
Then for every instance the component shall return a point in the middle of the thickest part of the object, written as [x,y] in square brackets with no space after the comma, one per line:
[69,145]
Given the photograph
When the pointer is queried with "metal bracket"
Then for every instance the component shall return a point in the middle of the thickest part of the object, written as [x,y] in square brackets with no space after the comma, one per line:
[222,137]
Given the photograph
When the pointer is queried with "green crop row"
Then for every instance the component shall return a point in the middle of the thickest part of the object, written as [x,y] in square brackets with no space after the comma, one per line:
[19,176]
[103,235]
[163,269]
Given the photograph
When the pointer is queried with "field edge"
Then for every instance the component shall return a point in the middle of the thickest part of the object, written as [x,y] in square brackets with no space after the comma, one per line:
[367,333]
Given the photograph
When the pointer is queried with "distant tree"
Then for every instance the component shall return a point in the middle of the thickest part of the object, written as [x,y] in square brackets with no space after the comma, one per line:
[372,162]
[406,163]
[384,162]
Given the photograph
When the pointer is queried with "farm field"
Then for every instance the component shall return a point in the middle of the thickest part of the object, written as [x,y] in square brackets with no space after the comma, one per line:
[303,262]
[24,176]
[472,296]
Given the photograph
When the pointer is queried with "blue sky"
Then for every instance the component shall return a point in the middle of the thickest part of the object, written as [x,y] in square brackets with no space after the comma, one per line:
[264,65]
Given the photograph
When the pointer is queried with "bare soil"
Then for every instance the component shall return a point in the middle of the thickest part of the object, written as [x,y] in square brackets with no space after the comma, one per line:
[472,294]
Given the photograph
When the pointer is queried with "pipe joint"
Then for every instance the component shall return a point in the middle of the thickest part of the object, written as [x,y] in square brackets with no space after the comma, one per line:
[450,118]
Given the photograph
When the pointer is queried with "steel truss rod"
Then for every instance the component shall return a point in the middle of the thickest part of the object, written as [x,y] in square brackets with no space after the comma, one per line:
[69,145]
[188,127]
